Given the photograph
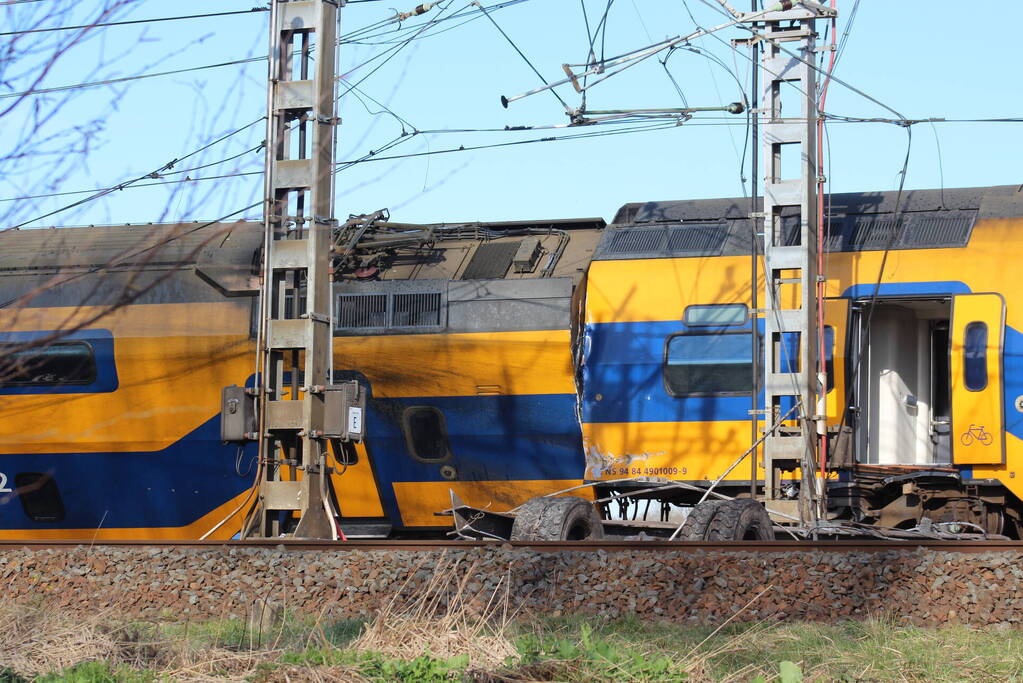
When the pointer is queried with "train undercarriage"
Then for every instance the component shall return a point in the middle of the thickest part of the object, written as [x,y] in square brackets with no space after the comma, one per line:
[890,502]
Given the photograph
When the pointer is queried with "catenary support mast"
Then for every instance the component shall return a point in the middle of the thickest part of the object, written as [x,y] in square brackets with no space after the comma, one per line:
[295,330]
[790,219]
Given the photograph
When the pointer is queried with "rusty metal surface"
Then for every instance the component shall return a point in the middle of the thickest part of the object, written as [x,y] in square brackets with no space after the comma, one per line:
[296,545]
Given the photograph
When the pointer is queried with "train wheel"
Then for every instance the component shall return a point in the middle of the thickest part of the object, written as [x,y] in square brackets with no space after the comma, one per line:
[565,518]
[696,524]
[741,519]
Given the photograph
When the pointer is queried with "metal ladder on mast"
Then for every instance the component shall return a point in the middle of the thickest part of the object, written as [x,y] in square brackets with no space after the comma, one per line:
[295,328]
[790,257]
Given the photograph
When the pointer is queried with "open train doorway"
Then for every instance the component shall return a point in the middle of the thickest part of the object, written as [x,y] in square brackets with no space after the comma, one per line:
[903,400]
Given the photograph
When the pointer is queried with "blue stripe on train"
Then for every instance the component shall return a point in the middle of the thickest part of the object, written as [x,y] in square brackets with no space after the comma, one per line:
[1013,380]
[907,289]
[623,377]
[167,488]
[511,438]
[492,438]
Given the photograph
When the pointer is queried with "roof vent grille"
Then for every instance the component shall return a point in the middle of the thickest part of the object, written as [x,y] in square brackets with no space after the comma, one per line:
[703,239]
[392,310]
[416,309]
[361,310]
[636,241]
[939,231]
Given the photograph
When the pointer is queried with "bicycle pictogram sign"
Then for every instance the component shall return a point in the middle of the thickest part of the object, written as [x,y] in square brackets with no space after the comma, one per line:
[977,433]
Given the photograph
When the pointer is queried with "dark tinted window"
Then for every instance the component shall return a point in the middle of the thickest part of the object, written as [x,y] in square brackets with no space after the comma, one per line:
[39,496]
[941,401]
[975,356]
[708,363]
[829,357]
[52,365]
[426,434]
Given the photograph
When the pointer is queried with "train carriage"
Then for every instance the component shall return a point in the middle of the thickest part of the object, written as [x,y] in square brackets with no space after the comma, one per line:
[509,360]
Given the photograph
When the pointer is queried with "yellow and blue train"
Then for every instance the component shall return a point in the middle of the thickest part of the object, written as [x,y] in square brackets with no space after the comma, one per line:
[509,360]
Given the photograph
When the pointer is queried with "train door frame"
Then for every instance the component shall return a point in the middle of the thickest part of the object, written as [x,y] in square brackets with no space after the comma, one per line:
[978,412]
[886,430]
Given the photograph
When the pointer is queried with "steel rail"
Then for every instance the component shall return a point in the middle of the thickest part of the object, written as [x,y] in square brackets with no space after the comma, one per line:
[298,545]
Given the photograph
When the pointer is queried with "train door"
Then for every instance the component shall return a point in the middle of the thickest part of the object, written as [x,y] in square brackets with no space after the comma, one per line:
[978,421]
[899,366]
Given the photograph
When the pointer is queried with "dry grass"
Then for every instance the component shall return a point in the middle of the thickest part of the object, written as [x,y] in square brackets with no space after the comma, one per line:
[37,640]
[445,621]
[455,629]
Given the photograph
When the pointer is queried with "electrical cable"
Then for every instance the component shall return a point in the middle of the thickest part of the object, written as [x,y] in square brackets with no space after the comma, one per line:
[393,52]
[941,166]
[717,60]
[463,148]
[124,79]
[820,286]
[521,54]
[152,174]
[134,185]
[407,135]
[133,21]
[846,31]
[602,26]
[896,234]
[473,15]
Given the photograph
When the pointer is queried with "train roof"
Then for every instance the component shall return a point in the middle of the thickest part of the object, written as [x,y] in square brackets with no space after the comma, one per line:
[123,246]
[228,253]
[1000,201]
[857,221]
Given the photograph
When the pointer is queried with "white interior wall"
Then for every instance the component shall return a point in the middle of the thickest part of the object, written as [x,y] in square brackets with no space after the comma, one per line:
[899,389]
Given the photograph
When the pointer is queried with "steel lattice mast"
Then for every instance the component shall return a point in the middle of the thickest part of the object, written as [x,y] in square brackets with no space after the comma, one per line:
[295,331]
[791,245]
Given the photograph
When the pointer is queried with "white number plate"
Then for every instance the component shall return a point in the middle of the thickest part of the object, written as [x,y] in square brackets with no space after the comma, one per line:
[355,420]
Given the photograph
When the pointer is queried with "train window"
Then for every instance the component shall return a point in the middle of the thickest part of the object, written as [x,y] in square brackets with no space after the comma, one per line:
[426,434]
[39,496]
[975,356]
[52,365]
[715,314]
[708,363]
[829,357]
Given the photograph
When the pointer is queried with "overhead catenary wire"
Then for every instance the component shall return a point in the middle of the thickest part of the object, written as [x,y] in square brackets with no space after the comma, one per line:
[124,79]
[699,121]
[203,67]
[556,138]
[133,21]
[365,157]
[521,54]
[113,188]
[696,121]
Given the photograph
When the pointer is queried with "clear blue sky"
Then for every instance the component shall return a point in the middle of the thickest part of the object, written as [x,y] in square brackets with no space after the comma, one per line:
[924,59]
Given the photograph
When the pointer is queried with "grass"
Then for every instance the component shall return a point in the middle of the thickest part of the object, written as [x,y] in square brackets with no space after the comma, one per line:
[563,649]
[449,633]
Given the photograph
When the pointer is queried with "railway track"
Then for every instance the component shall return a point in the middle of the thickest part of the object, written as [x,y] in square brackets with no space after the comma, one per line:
[295,545]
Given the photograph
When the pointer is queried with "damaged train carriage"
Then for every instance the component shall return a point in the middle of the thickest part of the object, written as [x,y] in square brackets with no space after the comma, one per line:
[118,339]
[924,398]
[509,360]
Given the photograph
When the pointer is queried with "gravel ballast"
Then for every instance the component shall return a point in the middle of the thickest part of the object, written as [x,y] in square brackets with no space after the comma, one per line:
[918,586]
